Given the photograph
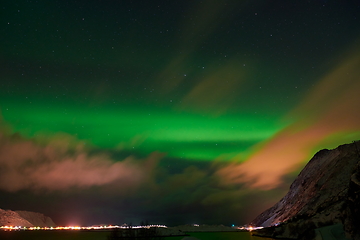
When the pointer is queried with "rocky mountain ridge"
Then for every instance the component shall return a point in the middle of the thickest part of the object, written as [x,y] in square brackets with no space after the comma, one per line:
[24,219]
[325,193]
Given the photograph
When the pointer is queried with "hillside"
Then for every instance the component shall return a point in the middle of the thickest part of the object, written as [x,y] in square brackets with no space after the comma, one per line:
[325,193]
[25,219]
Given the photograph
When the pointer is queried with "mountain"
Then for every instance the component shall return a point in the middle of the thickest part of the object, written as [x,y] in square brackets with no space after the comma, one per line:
[37,219]
[325,193]
[25,219]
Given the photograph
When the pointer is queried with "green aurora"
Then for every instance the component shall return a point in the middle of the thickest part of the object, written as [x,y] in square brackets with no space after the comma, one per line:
[140,130]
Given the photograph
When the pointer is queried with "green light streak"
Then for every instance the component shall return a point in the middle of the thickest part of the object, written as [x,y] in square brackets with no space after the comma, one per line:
[141,130]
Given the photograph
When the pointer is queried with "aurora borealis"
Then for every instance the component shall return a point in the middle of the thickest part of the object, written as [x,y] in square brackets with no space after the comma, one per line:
[142,130]
[172,112]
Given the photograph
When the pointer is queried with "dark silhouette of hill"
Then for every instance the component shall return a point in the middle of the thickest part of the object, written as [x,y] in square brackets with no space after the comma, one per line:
[325,193]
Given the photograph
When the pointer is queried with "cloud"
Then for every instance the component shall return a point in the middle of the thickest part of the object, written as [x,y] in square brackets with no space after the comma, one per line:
[197,195]
[328,115]
[199,23]
[216,92]
[62,163]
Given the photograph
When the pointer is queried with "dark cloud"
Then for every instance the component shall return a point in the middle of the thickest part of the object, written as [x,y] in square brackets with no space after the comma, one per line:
[196,195]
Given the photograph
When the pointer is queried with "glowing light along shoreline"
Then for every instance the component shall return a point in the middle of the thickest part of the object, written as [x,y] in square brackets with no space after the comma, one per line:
[18,228]
[109,227]
[249,228]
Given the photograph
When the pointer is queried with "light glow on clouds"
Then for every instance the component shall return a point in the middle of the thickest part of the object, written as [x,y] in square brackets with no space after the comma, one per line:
[327,116]
[26,164]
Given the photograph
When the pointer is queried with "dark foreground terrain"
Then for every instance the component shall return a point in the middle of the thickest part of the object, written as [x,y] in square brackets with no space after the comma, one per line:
[102,235]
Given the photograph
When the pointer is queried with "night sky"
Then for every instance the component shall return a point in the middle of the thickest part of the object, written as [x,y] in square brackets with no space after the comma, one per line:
[173,112]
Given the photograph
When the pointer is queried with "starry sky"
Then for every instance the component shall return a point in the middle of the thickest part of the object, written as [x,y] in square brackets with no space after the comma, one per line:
[173,112]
